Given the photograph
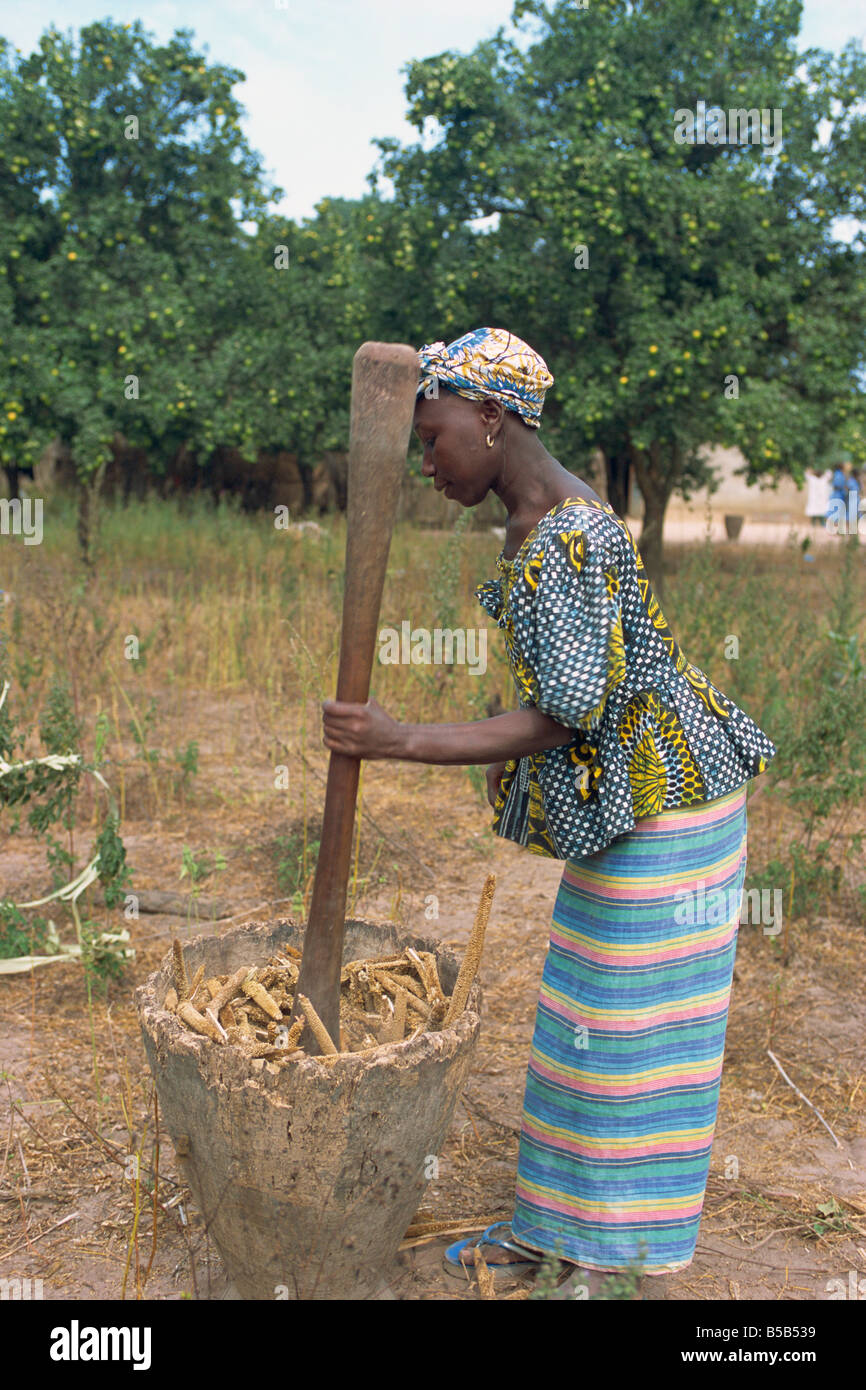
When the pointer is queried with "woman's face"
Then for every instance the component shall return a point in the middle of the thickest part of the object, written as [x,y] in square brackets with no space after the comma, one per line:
[452,430]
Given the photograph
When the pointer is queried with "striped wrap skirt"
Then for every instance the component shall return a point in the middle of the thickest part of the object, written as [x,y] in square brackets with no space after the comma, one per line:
[622,1090]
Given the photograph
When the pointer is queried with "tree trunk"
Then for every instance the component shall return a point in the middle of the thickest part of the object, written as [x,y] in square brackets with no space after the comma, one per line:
[88,515]
[13,474]
[618,470]
[651,540]
[656,492]
[337,464]
[306,473]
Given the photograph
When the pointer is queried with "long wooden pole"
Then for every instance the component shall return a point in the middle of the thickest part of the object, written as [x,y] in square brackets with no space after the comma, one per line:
[384,386]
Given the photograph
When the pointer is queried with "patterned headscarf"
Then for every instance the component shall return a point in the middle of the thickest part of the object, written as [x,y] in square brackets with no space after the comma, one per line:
[489,362]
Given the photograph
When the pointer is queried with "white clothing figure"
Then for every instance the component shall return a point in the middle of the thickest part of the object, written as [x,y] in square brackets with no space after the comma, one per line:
[818,489]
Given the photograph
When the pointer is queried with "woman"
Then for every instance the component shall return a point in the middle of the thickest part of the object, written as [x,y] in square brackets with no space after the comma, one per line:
[624,761]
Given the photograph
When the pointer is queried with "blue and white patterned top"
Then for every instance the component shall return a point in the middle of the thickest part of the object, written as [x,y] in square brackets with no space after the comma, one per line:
[588,644]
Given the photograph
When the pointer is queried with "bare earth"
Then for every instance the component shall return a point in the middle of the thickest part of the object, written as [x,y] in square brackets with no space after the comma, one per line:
[67,1199]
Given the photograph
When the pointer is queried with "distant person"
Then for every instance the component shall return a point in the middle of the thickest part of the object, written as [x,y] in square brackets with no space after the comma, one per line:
[839,484]
[818,495]
[852,497]
[838,513]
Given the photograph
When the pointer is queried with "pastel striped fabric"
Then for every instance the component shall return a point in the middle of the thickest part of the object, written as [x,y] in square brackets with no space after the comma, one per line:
[622,1089]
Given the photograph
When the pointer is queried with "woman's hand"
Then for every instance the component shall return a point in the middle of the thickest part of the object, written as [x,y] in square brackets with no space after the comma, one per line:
[494,777]
[361,731]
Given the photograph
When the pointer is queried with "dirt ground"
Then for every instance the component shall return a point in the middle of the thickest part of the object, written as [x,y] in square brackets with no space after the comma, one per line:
[785,1211]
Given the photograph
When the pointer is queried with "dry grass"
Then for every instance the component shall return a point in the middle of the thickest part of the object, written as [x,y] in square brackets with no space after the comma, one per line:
[238,629]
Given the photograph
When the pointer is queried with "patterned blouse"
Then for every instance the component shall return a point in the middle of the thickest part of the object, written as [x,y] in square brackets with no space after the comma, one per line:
[588,644]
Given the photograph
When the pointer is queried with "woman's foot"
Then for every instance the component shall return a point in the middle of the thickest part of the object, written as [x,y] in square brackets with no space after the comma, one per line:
[504,1256]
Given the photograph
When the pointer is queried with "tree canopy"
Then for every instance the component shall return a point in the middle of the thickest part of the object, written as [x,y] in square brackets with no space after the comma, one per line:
[683,293]
[593,179]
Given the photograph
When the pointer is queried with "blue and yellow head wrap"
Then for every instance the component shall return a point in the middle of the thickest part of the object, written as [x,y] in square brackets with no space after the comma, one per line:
[489,362]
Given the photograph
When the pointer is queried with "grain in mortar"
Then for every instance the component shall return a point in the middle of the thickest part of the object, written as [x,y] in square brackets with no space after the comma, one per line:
[387,1000]
[201,1024]
[181,983]
[317,1027]
[259,994]
[469,966]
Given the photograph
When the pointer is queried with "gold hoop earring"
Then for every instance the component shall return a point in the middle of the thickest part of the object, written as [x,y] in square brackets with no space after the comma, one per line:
[489,442]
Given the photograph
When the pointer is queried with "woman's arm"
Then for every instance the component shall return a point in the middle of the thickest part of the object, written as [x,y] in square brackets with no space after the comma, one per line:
[511,735]
[368,731]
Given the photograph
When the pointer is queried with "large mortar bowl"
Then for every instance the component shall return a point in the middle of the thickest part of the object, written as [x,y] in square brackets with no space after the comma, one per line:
[307,1175]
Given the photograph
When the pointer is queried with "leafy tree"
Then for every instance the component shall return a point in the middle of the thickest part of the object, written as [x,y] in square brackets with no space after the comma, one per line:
[716,306]
[136,306]
[126,177]
[353,274]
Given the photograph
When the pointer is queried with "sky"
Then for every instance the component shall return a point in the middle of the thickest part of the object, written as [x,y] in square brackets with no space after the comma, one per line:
[323,77]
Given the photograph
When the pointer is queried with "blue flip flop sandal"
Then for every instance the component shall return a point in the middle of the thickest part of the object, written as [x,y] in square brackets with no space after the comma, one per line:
[500,1269]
